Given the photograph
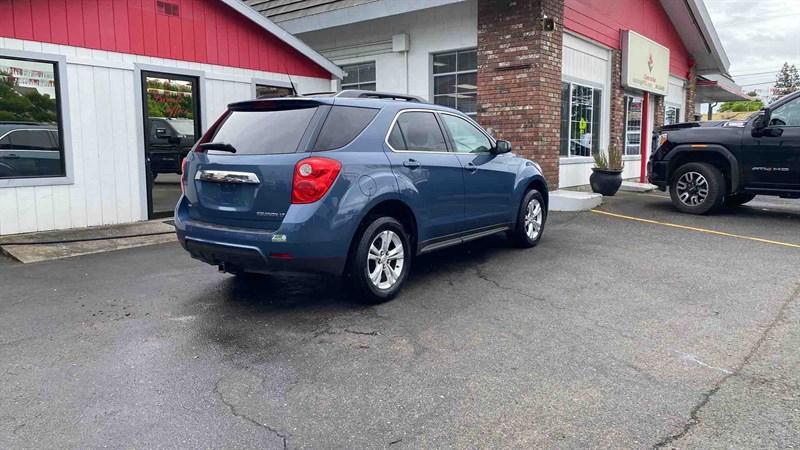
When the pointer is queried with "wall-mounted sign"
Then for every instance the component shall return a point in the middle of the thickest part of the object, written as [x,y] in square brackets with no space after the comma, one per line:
[645,63]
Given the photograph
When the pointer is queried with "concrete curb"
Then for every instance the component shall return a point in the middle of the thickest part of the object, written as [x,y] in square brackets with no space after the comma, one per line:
[562,200]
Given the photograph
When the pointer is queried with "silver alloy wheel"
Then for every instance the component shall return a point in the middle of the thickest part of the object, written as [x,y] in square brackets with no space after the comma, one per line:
[385,259]
[533,219]
[692,188]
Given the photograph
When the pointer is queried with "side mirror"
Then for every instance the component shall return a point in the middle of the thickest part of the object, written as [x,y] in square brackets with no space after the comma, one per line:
[501,147]
[762,119]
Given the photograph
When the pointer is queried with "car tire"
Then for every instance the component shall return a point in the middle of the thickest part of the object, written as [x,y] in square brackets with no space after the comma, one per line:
[697,188]
[531,218]
[375,270]
[735,200]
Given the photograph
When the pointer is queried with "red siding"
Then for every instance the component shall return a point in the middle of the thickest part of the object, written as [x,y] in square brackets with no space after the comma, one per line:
[207,31]
[603,20]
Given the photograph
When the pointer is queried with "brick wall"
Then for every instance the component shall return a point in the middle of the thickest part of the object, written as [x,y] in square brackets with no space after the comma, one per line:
[617,125]
[519,77]
[659,112]
[691,94]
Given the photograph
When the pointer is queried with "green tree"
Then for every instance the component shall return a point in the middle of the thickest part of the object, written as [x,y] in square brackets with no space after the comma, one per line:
[740,106]
[32,106]
[788,80]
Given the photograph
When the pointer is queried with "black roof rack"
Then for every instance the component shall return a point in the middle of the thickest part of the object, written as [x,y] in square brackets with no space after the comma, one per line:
[352,93]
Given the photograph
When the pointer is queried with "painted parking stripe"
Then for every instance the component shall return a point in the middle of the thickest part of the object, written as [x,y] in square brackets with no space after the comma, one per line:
[700,230]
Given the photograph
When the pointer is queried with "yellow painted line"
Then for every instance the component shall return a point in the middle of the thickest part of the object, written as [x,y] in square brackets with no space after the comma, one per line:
[700,230]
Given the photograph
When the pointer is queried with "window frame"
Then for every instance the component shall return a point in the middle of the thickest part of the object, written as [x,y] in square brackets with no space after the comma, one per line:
[357,86]
[434,75]
[445,133]
[63,125]
[569,157]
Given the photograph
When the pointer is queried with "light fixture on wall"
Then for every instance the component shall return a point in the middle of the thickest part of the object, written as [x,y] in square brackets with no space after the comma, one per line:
[548,23]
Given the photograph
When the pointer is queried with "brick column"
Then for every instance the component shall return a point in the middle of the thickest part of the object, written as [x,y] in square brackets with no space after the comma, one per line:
[691,94]
[519,77]
[617,125]
[659,112]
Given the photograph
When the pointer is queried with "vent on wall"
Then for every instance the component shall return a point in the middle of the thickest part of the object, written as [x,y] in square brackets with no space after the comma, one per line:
[167,8]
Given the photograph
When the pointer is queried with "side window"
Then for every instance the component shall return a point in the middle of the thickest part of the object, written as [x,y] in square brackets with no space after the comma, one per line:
[467,138]
[787,115]
[421,132]
[396,139]
[5,143]
[343,124]
[31,140]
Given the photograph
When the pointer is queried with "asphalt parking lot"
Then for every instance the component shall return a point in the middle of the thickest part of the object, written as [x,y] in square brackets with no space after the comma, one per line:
[631,327]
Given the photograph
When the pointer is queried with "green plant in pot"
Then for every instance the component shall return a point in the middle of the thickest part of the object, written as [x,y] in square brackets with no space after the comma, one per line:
[607,172]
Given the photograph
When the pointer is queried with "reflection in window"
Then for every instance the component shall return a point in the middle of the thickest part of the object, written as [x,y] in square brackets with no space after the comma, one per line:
[580,119]
[633,125]
[455,80]
[672,115]
[359,76]
[30,123]
[265,91]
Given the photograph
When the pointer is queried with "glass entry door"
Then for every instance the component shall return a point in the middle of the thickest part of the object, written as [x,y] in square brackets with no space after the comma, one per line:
[171,127]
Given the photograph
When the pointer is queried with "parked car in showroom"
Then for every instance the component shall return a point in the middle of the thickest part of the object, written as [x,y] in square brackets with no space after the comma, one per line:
[356,183]
[29,149]
[169,140]
[705,167]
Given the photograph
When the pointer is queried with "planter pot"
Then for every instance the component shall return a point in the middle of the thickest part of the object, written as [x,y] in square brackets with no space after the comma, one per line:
[606,182]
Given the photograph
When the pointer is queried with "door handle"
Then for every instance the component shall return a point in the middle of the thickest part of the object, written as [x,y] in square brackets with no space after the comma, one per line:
[411,163]
[471,167]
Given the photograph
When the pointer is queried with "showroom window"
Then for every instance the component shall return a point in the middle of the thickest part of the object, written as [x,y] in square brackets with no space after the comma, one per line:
[633,125]
[359,76]
[580,119]
[267,91]
[455,80]
[672,114]
[31,144]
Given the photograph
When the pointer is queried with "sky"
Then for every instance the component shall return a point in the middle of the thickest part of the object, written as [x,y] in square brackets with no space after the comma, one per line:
[758,37]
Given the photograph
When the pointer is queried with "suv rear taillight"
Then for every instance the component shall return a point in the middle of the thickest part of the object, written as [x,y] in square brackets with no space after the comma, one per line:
[313,177]
[183,175]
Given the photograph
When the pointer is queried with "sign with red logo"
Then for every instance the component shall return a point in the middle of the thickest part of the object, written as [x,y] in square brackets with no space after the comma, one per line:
[645,63]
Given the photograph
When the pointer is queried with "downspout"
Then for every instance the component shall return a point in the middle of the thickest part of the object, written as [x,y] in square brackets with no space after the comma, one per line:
[645,137]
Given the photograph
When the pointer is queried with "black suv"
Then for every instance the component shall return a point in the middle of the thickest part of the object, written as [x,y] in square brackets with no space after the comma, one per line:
[706,167]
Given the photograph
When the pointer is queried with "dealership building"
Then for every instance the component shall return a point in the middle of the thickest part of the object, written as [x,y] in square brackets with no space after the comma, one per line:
[560,79]
[97,98]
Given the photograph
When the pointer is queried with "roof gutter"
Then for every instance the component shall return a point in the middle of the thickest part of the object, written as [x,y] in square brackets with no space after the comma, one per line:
[285,36]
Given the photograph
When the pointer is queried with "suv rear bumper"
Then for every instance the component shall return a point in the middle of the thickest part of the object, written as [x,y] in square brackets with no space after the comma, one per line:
[253,250]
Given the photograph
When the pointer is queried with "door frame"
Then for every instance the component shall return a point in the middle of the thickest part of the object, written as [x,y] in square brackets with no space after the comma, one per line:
[139,99]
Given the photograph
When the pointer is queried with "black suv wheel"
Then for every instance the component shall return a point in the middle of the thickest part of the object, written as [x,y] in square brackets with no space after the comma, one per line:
[380,263]
[697,188]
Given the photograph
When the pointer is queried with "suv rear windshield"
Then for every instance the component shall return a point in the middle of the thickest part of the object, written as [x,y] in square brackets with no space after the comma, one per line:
[265,132]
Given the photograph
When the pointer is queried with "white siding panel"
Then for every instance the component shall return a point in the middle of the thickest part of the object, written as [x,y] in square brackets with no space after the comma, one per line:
[9,220]
[105,147]
[26,209]
[87,121]
[77,192]
[44,207]
[61,207]
[122,166]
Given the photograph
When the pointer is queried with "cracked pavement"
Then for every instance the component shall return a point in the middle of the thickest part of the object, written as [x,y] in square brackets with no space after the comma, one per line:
[611,333]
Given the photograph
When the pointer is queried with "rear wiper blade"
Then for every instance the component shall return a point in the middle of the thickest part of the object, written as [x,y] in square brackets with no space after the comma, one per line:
[221,146]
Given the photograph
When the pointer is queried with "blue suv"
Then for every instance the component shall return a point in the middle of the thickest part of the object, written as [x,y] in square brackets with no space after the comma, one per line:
[356,183]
